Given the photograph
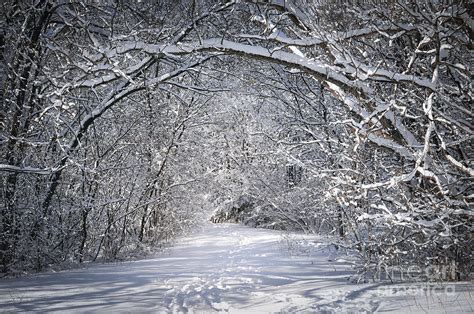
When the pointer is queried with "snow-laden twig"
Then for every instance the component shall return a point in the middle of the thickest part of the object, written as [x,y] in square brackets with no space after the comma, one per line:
[27,170]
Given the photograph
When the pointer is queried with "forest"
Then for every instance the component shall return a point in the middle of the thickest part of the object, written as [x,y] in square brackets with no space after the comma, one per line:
[124,124]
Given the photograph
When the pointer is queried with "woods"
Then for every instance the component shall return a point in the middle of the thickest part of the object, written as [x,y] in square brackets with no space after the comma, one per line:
[124,124]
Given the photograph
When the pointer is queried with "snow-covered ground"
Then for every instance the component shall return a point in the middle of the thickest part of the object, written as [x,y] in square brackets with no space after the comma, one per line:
[227,267]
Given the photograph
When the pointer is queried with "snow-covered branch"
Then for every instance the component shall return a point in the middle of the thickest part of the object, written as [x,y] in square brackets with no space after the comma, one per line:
[26,170]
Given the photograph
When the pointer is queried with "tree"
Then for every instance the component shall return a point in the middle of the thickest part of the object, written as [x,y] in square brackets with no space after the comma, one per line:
[375,110]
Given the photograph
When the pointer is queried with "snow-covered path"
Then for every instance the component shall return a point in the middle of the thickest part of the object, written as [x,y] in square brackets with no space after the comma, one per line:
[224,267]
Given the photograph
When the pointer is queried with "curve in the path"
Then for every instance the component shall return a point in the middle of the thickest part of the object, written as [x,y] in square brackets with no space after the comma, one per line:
[222,268]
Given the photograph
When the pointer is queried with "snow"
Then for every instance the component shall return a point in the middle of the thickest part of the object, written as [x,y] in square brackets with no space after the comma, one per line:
[11,168]
[352,103]
[219,44]
[227,267]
